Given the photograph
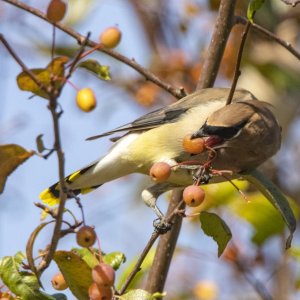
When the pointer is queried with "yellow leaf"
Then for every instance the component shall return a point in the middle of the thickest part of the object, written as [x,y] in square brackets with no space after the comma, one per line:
[55,69]
[11,156]
[25,82]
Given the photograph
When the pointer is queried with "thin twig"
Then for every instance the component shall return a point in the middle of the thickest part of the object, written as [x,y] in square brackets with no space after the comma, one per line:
[169,219]
[270,35]
[217,45]
[165,248]
[252,280]
[237,71]
[176,92]
[78,56]
[62,195]
[22,65]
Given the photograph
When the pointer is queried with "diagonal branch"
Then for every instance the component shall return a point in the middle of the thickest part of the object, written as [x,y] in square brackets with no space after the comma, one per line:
[270,35]
[176,92]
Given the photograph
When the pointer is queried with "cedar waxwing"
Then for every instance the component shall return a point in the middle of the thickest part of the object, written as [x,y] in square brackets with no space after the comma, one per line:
[246,133]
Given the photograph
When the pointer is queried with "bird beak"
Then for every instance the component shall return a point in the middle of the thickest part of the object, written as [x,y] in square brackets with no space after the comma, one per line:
[198,134]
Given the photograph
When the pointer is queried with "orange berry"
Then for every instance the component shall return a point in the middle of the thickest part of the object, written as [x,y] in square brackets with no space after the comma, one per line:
[86,236]
[58,282]
[99,293]
[193,195]
[110,37]
[86,99]
[104,275]
[193,146]
[56,10]
[160,171]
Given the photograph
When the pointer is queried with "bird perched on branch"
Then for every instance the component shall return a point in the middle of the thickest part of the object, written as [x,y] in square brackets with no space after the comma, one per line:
[241,136]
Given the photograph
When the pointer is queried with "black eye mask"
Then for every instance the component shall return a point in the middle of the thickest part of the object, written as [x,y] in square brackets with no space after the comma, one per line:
[224,132]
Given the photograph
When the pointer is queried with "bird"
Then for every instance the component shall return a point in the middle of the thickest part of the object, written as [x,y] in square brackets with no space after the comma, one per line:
[244,134]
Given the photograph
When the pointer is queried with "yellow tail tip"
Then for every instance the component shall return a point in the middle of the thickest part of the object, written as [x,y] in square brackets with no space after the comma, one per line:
[48,198]
[74,176]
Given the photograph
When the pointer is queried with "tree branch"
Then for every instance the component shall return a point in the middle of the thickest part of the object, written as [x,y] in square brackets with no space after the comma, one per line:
[237,71]
[164,252]
[217,45]
[171,216]
[270,35]
[165,249]
[176,92]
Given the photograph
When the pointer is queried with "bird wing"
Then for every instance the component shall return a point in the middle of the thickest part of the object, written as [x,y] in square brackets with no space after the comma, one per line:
[174,111]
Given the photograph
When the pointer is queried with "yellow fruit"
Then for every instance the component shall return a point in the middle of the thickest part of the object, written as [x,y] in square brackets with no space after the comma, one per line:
[206,290]
[193,146]
[56,10]
[193,195]
[110,37]
[86,99]
[160,171]
[58,282]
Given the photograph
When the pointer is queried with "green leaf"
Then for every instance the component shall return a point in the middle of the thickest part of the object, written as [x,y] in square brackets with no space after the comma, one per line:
[23,284]
[25,82]
[139,294]
[87,256]
[11,156]
[276,198]
[55,69]
[253,6]
[215,227]
[115,259]
[102,72]
[76,272]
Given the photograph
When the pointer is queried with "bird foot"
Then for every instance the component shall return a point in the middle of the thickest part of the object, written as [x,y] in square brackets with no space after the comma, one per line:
[161,226]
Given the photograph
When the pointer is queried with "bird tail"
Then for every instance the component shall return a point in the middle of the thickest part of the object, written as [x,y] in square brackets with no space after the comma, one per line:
[50,195]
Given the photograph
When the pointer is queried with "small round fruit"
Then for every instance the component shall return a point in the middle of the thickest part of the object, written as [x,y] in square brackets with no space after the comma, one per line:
[100,293]
[193,195]
[56,10]
[110,37]
[160,171]
[193,146]
[86,236]
[104,275]
[58,282]
[86,99]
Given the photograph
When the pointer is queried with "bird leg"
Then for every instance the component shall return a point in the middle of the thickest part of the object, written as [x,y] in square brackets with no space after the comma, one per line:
[149,196]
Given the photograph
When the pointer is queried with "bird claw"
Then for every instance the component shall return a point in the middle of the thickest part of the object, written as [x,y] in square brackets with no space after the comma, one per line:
[161,226]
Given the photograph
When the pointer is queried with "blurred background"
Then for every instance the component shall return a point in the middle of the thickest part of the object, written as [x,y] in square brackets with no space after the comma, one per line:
[169,38]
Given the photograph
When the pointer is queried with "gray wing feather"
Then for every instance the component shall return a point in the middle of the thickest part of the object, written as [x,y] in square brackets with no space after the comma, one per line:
[174,111]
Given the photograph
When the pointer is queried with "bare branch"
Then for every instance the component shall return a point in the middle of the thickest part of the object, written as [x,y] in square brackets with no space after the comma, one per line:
[171,216]
[176,92]
[22,65]
[217,45]
[165,249]
[237,71]
[272,36]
